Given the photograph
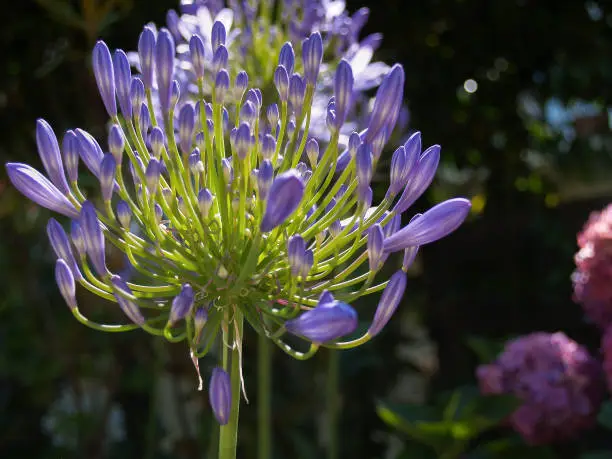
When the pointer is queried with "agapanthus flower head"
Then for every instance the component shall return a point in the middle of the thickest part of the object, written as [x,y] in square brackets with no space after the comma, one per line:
[209,194]
[593,276]
[558,382]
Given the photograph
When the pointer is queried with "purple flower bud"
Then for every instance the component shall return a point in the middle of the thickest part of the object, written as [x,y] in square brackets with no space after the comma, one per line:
[290,128]
[375,247]
[199,320]
[393,225]
[70,149]
[363,166]
[436,223]
[286,57]
[108,167]
[220,58]
[281,81]
[49,152]
[123,81]
[137,95]
[164,64]
[105,76]
[124,214]
[205,201]
[410,254]
[128,307]
[240,85]
[312,151]
[218,35]
[116,143]
[268,147]
[221,86]
[144,118]
[265,177]
[220,395]
[326,322]
[173,21]
[343,91]
[61,246]
[420,179]
[186,124]
[297,90]
[90,151]
[398,175]
[413,147]
[159,212]
[194,159]
[157,141]
[273,116]
[228,171]
[248,113]
[152,174]
[36,187]
[296,248]
[390,299]
[175,94]
[243,140]
[198,55]
[255,96]
[284,197]
[76,234]
[94,238]
[65,282]
[181,305]
[146,55]
[388,96]
[312,54]
[307,262]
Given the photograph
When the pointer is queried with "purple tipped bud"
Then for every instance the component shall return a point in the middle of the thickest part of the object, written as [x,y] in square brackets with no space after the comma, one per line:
[436,223]
[128,307]
[290,128]
[152,174]
[399,171]
[240,85]
[220,58]
[243,140]
[49,152]
[144,118]
[94,238]
[286,57]
[307,263]
[312,55]
[194,159]
[124,214]
[268,146]
[390,299]
[61,246]
[199,320]
[123,81]
[70,149]
[265,177]
[116,144]
[137,94]
[205,201]
[198,55]
[181,305]
[363,166]
[228,171]
[410,254]
[36,187]
[343,91]
[220,395]
[65,282]
[388,100]
[255,97]
[413,147]
[312,151]
[90,151]
[281,81]
[327,322]
[221,86]
[159,212]
[76,234]
[297,90]
[248,113]
[175,94]
[108,167]
[186,124]
[375,247]
[157,141]
[105,76]
[364,196]
[218,35]
[164,64]
[284,198]
[296,248]
[420,179]
[146,55]
[273,116]
[394,225]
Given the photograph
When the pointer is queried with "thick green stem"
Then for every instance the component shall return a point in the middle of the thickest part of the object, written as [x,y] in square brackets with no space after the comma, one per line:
[228,434]
[264,391]
[333,403]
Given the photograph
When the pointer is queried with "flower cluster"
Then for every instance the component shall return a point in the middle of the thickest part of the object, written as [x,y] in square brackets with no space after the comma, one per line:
[593,276]
[227,207]
[255,34]
[557,380]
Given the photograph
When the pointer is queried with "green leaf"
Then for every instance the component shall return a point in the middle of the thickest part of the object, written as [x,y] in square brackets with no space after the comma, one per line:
[605,415]
[63,12]
[413,450]
[485,349]
[510,448]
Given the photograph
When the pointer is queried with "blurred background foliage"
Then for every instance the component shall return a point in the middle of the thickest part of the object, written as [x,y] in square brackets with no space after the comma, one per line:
[517,92]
